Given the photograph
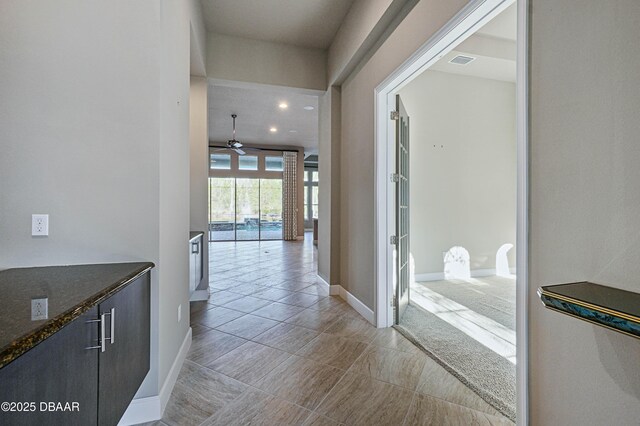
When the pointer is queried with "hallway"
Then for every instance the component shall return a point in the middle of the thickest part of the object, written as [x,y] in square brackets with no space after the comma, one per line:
[271,347]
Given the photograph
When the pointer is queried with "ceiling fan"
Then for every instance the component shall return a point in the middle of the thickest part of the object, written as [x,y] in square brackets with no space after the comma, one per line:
[234,144]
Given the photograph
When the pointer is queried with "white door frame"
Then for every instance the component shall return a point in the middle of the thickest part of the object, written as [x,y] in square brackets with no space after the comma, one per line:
[474,15]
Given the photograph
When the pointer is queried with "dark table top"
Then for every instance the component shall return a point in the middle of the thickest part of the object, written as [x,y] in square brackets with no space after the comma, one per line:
[599,295]
[194,234]
[70,291]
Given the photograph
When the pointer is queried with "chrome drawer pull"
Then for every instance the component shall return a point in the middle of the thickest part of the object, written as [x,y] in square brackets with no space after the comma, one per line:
[113,326]
[102,334]
[102,339]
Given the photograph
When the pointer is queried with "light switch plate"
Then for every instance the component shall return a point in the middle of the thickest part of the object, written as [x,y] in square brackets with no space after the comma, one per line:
[40,225]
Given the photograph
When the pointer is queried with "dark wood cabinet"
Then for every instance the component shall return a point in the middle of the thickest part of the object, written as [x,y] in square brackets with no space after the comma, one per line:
[125,361]
[195,262]
[97,360]
[58,370]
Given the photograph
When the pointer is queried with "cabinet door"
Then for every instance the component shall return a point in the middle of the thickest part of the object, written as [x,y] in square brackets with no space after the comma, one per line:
[125,361]
[198,266]
[193,249]
[59,370]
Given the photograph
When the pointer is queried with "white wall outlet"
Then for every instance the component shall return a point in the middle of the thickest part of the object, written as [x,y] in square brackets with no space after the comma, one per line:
[39,225]
[179,312]
[39,308]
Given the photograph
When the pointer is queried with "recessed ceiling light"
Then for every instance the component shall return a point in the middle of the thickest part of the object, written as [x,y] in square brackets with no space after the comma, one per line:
[309,108]
[283,105]
[273,129]
[293,131]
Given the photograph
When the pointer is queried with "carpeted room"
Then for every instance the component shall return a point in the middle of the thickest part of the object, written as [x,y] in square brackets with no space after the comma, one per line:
[463,197]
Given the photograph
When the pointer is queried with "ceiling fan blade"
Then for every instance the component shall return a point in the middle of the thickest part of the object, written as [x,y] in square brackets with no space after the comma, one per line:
[239,151]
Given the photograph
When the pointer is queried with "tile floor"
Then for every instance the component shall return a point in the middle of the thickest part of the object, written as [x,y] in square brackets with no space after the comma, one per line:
[271,347]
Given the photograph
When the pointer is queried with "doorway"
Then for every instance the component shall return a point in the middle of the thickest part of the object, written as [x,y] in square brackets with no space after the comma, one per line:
[245,209]
[393,281]
[311,181]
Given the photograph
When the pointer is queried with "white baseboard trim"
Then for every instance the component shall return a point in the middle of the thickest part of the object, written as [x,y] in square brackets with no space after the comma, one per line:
[151,408]
[199,295]
[430,276]
[361,308]
[475,273]
[323,283]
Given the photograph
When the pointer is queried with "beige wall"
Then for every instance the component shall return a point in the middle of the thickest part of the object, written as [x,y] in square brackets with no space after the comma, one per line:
[329,187]
[357,185]
[262,62]
[463,168]
[173,261]
[198,36]
[363,25]
[585,99]
[95,133]
[199,165]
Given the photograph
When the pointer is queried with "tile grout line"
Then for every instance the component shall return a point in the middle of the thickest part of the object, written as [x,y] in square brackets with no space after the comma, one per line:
[336,384]
[404,420]
[250,386]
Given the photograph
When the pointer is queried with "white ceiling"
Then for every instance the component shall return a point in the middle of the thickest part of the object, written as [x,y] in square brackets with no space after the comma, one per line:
[306,23]
[482,67]
[493,46]
[502,26]
[258,110]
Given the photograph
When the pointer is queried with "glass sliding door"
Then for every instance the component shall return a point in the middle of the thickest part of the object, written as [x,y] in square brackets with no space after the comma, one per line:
[270,209]
[222,199]
[247,209]
[310,197]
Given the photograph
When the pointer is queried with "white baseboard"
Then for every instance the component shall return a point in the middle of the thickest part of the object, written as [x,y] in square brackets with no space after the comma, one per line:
[430,276]
[199,295]
[323,283]
[475,273]
[361,308]
[151,408]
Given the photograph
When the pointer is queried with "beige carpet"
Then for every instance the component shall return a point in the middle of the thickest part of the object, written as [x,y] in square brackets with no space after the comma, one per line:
[459,350]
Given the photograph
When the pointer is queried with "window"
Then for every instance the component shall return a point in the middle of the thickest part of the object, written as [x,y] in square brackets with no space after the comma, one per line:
[310,197]
[273,164]
[248,162]
[220,161]
[245,209]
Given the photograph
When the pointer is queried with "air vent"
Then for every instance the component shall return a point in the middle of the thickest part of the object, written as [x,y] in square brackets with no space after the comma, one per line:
[462,60]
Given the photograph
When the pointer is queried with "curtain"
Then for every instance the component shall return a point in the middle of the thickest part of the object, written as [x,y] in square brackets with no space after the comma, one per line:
[290,196]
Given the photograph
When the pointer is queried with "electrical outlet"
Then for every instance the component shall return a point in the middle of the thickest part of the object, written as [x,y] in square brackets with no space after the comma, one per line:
[179,312]
[40,225]
[39,308]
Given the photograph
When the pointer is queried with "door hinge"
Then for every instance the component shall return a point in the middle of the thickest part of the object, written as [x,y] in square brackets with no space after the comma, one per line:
[395,115]
[393,239]
[395,177]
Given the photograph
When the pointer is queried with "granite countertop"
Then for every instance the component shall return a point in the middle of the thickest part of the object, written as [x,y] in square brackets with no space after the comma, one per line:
[70,292]
[194,234]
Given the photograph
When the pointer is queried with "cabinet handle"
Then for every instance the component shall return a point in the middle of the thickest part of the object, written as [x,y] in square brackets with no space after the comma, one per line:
[113,326]
[91,322]
[103,337]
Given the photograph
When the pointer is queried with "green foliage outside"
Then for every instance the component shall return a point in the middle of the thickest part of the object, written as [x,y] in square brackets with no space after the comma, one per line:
[253,195]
